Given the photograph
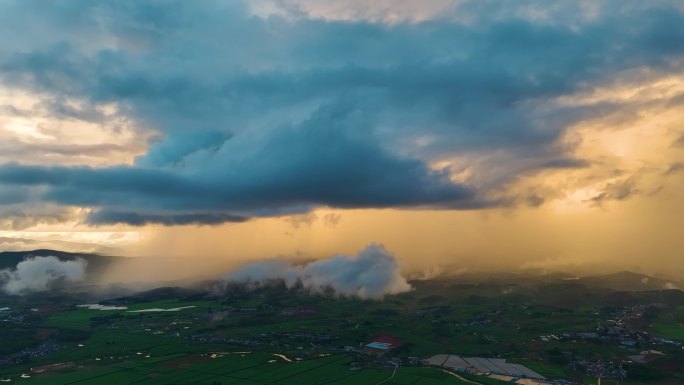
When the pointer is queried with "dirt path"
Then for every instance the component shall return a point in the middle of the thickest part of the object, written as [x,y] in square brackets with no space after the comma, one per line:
[461,378]
[390,377]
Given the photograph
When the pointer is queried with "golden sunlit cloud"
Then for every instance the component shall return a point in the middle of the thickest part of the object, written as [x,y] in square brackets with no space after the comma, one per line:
[459,134]
[36,129]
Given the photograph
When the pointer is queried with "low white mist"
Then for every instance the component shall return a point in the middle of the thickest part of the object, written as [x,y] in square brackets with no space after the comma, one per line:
[373,273]
[41,274]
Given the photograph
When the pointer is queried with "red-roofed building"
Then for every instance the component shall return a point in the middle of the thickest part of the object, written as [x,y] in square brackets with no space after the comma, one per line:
[381,344]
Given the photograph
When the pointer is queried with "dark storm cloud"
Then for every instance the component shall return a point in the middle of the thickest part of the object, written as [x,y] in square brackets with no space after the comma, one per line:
[268,116]
[12,195]
[309,164]
[137,219]
[293,169]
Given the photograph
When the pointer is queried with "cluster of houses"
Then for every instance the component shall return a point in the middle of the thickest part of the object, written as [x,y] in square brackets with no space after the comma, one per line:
[599,369]
[619,333]
[7,315]
[27,354]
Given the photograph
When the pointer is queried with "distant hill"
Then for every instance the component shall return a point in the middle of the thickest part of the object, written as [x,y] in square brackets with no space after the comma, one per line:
[96,263]
[160,294]
[628,281]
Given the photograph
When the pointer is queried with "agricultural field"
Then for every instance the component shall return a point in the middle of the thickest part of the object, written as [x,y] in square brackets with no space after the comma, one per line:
[273,335]
[670,324]
[238,368]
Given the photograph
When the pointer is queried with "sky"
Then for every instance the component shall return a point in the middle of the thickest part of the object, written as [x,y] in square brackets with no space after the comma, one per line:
[458,134]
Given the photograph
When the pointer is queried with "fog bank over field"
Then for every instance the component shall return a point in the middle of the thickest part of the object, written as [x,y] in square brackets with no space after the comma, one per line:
[372,273]
[39,274]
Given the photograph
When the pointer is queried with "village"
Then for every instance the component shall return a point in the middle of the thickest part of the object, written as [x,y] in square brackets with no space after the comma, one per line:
[470,337]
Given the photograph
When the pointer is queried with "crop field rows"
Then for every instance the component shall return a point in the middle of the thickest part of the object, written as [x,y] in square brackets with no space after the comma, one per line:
[248,369]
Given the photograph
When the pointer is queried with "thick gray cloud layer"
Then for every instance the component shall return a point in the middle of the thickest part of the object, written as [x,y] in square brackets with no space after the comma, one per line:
[373,273]
[267,116]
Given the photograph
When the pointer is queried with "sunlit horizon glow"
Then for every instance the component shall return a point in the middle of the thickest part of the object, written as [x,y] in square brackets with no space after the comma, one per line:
[457,133]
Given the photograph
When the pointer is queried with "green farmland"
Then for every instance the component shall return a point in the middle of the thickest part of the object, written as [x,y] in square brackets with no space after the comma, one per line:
[248,369]
[195,337]
[670,324]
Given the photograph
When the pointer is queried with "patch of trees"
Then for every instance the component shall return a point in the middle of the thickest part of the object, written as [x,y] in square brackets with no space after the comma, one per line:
[638,372]
[104,319]
[15,338]
[72,335]
[385,313]
[432,299]
[556,356]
